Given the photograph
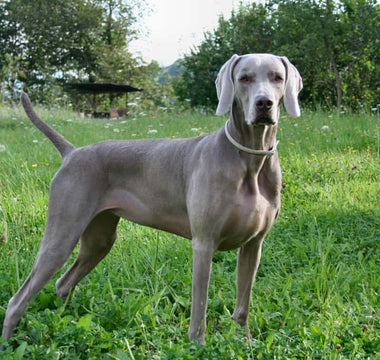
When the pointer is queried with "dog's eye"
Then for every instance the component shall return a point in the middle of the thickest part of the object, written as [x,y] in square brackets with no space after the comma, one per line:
[245,79]
[278,78]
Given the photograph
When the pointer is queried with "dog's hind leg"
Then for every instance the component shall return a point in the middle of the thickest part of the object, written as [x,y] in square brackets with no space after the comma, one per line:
[51,257]
[68,216]
[95,244]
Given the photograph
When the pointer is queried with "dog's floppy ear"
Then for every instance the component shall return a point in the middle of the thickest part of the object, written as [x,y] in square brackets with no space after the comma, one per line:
[292,87]
[225,86]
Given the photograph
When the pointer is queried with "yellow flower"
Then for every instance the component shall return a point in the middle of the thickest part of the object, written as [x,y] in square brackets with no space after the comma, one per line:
[34,166]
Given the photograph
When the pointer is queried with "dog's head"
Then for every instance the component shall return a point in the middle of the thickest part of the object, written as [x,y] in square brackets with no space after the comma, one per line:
[257,83]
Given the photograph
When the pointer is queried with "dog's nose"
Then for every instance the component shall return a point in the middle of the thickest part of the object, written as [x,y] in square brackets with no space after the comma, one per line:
[263,103]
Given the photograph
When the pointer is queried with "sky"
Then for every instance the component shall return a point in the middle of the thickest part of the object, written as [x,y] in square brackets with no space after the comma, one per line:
[174,26]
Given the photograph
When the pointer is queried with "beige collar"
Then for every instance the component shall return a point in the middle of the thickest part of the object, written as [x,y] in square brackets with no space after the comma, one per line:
[248,150]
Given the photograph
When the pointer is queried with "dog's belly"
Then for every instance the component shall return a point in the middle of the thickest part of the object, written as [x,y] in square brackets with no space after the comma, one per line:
[170,223]
[248,217]
[161,215]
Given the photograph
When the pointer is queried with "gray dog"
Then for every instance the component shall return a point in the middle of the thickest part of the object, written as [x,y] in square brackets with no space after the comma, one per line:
[221,190]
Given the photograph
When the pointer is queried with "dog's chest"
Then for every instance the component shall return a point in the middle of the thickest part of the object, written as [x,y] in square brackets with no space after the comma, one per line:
[250,215]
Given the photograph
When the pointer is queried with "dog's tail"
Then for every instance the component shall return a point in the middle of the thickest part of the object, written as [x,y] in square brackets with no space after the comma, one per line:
[62,145]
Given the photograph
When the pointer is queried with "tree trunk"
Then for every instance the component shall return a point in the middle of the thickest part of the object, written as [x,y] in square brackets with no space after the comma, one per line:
[338,81]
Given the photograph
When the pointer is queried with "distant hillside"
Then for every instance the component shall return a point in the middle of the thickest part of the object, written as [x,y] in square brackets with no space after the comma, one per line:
[174,69]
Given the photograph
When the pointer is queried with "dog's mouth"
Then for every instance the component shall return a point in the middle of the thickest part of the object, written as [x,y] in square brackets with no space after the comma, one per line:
[264,120]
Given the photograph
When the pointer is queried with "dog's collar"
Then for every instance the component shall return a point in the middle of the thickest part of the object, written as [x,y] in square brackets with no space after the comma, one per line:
[246,149]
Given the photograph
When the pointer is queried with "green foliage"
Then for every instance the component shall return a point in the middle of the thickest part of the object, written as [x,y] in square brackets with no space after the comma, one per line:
[334,44]
[50,36]
[47,42]
[317,290]
[248,30]
[158,93]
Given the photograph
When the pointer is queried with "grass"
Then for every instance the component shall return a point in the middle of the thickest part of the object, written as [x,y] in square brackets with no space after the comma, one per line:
[317,291]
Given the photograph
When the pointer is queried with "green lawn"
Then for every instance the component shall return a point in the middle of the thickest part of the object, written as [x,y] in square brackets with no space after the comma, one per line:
[316,295]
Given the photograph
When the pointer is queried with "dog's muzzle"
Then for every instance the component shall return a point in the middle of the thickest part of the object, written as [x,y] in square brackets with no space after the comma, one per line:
[264,111]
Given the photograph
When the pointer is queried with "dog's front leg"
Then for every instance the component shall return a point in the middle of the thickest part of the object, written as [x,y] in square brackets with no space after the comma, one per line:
[202,259]
[248,263]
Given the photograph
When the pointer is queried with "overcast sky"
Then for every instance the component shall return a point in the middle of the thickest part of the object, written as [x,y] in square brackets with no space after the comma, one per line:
[174,26]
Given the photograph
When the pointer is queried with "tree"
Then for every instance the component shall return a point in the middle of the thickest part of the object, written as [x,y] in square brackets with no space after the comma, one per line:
[51,35]
[50,40]
[158,91]
[361,71]
[334,44]
[248,30]
[306,32]
[328,40]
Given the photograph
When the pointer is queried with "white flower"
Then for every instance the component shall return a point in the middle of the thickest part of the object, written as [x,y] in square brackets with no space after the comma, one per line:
[324,128]
[152,131]
[69,120]
[2,148]
[194,129]
[35,141]
[116,130]
[295,125]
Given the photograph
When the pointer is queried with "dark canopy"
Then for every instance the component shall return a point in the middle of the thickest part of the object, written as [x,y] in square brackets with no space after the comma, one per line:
[99,88]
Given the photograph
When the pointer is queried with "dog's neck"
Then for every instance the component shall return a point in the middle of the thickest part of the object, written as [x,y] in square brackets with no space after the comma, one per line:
[256,137]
